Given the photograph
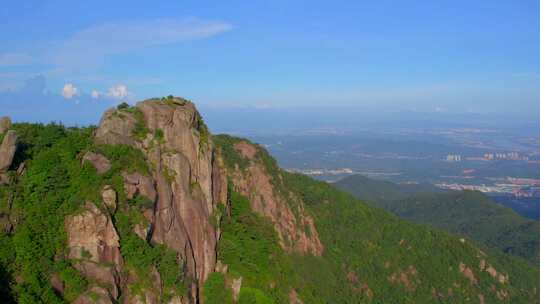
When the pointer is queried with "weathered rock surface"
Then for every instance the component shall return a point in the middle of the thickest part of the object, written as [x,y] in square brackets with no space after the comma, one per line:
[108,195]
[256,184]
[101,273]
[7,150]
[5,124]
[236,284]
[94,247]
[116,127]
[100,162]
[92,231]
[95,295]
[138,184]
[186,181]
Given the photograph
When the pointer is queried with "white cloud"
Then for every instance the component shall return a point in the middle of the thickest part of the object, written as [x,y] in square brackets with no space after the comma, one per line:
[69,91]
[14,59]
[95,94]
[118,92]
[90,46]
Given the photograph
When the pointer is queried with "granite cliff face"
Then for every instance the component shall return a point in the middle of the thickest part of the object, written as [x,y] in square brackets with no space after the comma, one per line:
[187,182]
[296,230]
[8,147]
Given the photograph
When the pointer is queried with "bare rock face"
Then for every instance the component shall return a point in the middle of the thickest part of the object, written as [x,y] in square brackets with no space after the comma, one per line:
[94,246]
[95,295]
[186,183]
[185,164]
[7,150]
[297,233]
[236,284]
[100,162]
[293,297]
[188,180]
[138,184]
[108,195]
[116,127]
[5,124]
[92,233]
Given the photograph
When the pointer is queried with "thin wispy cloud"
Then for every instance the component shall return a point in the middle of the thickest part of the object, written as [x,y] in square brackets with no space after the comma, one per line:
[90,47]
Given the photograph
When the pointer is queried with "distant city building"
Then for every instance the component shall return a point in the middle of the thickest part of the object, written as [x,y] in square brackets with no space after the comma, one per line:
[513,155]
[504,156]
[453,158]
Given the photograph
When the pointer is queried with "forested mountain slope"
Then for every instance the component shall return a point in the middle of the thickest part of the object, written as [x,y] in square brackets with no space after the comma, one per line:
[468,213]
[149,207]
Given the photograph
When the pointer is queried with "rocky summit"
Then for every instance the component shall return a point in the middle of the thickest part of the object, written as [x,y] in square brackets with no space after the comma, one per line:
[150,207]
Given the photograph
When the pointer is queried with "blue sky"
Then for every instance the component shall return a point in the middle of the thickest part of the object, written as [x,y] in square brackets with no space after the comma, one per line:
[69,60]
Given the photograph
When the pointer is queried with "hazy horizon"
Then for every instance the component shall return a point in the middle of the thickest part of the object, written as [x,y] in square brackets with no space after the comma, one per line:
[63,60]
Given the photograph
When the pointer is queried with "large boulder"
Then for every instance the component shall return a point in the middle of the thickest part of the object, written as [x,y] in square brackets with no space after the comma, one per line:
[5,124]
[91,235]
[116,127]
[7,150]
[109,197]
[138,184]
[100,162]
[93,245]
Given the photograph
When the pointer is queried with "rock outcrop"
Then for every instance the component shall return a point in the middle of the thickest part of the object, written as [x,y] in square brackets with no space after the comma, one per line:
[7,150]
[186,181]
[100,162]
[93,245]
[108,195]
[295,228]
[5,124]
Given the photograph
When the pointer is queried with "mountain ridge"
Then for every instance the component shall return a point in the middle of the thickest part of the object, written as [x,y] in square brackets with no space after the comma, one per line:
[468,213]
[150,207]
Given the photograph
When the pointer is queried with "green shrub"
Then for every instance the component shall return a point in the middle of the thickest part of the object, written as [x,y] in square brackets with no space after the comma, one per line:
[253,296]
[214,290]
[249,246]
[140,130]
[123,106]
[74,283]
[231,157]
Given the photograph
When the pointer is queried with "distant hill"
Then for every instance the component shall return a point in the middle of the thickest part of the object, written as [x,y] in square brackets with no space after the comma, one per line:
[468,213]
[379,192]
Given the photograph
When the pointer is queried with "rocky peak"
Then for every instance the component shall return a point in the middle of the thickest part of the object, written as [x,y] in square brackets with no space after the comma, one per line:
[185,183]
[188,179]
[7,150]
[5,124]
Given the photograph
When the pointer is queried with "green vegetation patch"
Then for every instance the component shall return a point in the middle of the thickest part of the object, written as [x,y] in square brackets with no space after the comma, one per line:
[249,246]
[214,290]
[468,213]
[250,295]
